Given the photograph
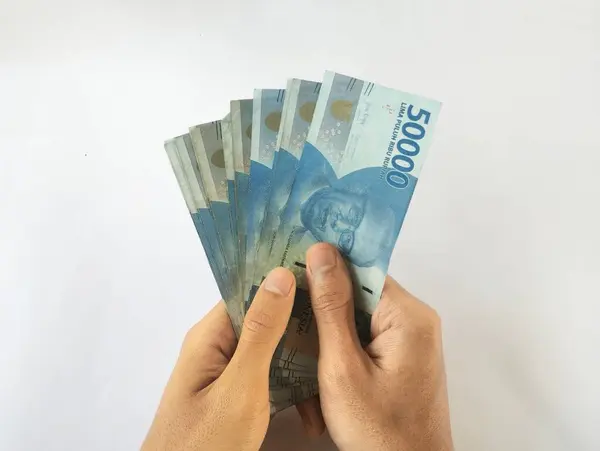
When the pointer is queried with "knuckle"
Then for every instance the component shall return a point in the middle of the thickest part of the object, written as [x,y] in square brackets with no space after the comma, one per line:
[334,378]
[329,299]
[431,322]
[427,329]
[330,295]
[257,322]
[342,374]
[191,336]
[435,319]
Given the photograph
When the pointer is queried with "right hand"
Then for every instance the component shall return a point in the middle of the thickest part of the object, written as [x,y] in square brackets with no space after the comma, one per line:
[391,395]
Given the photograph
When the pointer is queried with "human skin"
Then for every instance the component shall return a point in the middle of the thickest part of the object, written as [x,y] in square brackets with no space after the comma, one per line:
[390,395]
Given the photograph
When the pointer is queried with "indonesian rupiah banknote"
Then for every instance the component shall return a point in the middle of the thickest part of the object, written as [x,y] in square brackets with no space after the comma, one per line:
[182,157]
[266,118]
[358,170]
[298,108]
[336,161]
[208,144]
[241,131]
[183,162]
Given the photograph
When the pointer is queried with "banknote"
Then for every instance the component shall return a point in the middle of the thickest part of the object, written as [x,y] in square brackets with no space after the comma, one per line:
[280,376]
[335,162]
[226,128]
[241,131]
[287,378]
[266,118]
[299,375]
[181,155]
[282,398]
[299,347]
[209,150]
[358,170]
[182,158]
[298,108]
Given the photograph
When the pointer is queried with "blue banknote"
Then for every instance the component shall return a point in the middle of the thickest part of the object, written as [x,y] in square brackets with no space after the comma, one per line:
[355,179]
[209,149]
[241,131]
[266,118]
[226,128]
[298,109]
[183,162]
[276,182]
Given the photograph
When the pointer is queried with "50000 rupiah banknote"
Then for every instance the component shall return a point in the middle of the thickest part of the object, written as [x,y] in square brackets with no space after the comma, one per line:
[241,133]
[183,162]
[266,118]
[286,386]
[356,176]
[209,149]
[298,108]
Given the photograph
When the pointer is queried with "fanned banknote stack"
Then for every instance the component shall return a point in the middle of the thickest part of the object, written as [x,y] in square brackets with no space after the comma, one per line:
[334,161]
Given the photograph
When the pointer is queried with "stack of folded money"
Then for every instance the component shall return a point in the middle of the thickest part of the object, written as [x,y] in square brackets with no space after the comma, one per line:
[334,161]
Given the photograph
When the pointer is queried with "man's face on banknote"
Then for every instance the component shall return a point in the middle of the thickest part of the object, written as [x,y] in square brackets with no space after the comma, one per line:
[333,216]
[347,220]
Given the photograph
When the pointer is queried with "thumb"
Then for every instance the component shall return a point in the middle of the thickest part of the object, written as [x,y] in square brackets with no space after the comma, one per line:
[266,320]
[332,302]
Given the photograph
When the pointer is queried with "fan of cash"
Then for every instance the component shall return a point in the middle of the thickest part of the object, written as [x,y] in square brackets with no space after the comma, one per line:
[334,161]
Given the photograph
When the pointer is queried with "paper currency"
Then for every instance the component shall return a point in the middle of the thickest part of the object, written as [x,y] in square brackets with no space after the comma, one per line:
[209,150]
[181,155]
[226,128]
[182,158]
[292,395]
[298,109]
[266,118]
[241,130]
[355,179]
[336,161]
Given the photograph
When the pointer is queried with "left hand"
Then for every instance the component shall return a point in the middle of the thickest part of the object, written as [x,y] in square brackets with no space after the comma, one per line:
[218,396]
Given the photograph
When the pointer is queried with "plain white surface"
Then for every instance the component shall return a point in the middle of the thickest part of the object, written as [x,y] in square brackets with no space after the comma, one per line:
[101,272]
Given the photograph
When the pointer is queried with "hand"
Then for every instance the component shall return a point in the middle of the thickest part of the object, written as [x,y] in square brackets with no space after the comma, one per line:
[218,396]
[391,395]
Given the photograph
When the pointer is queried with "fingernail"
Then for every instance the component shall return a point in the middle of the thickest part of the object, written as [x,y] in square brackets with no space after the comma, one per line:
[322,259]
[279,281]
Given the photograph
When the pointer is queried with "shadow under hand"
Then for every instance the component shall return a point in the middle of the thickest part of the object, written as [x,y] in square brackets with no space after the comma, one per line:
[286,433]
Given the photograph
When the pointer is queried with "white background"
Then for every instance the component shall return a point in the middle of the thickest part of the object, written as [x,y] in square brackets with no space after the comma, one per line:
[101,272]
